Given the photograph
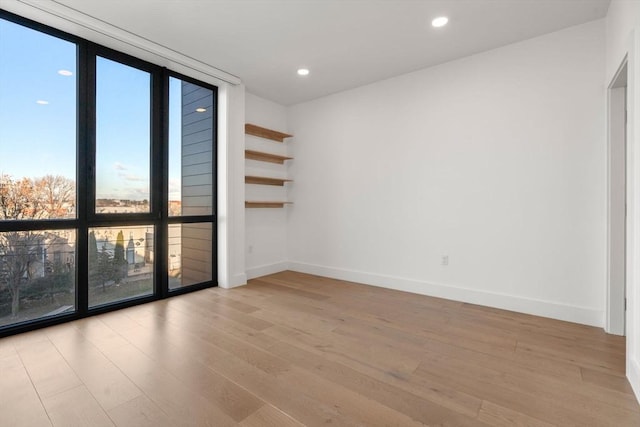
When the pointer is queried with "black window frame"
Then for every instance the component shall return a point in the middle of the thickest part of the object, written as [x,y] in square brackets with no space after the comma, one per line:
[86,216]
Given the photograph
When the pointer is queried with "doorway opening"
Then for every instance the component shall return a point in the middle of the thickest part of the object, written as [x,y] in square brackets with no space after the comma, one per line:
[617,203]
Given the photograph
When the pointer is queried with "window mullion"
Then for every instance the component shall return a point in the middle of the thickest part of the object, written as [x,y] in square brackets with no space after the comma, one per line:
[159,168]
[85,166]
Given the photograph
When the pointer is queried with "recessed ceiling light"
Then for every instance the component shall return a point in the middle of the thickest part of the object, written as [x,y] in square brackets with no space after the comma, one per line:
[303,71]
[200,110]
[65,73]
[440,21]
[42,102]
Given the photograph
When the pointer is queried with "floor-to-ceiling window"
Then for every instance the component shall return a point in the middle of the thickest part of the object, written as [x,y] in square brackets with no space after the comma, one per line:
[107,178]
[191,195]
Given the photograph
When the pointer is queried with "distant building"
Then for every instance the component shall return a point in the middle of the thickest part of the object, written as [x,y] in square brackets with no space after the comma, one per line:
[131,250]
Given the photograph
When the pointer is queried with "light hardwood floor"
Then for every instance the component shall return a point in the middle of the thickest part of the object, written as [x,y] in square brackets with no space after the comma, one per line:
[292,349]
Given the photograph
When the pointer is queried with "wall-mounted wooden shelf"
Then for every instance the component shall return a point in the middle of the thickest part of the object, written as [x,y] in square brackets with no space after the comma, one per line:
[261,132]
[255,204]
[261,156]
[265,157]
[263,180]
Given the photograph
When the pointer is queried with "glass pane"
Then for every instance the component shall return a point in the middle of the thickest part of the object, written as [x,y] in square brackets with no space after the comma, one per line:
[120,263]
[190,254]
[37,274]
[37,125]
[190,149]
[123,138]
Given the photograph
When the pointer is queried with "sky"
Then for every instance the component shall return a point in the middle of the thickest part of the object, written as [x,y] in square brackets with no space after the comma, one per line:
[38,116]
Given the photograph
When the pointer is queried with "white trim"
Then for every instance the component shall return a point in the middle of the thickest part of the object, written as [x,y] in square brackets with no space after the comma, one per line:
[65,18]
[223,208]
[616,198]
[266,269]
[235,281]
[570,313]
[633,374]
[633,215]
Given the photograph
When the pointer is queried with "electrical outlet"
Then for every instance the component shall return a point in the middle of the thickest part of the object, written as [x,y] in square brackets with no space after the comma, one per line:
[250,249]
[445,259]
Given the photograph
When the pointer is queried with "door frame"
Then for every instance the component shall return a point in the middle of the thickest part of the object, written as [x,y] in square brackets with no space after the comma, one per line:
[617,178]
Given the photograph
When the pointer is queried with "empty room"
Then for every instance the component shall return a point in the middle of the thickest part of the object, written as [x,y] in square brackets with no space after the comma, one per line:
[311,212]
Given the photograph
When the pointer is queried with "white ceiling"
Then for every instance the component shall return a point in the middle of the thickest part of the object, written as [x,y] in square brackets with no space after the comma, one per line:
[345,43]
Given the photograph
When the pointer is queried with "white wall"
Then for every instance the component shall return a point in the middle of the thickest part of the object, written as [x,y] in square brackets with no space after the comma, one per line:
[266,229]
[496,160]
[231,229]
[623,40]
[622,17]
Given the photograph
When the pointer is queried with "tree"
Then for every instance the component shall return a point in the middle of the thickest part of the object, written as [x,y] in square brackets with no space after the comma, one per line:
[19,250]
[17,199]
[93,257]
[28,199]
[36,198]
[104,269]
[119,261]
[93,249]
[57,193]
[58,279]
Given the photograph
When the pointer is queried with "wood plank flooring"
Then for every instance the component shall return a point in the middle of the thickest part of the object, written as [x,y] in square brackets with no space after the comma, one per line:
[292,349]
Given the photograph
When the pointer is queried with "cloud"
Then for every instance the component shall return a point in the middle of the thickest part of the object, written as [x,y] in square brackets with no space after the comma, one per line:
[119,166]
[131,177]
[141,192]
[175,185]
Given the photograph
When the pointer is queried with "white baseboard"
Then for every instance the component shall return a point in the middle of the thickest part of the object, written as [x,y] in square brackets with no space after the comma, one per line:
[570,313]
[633,374]
[264,270]
[234,281]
